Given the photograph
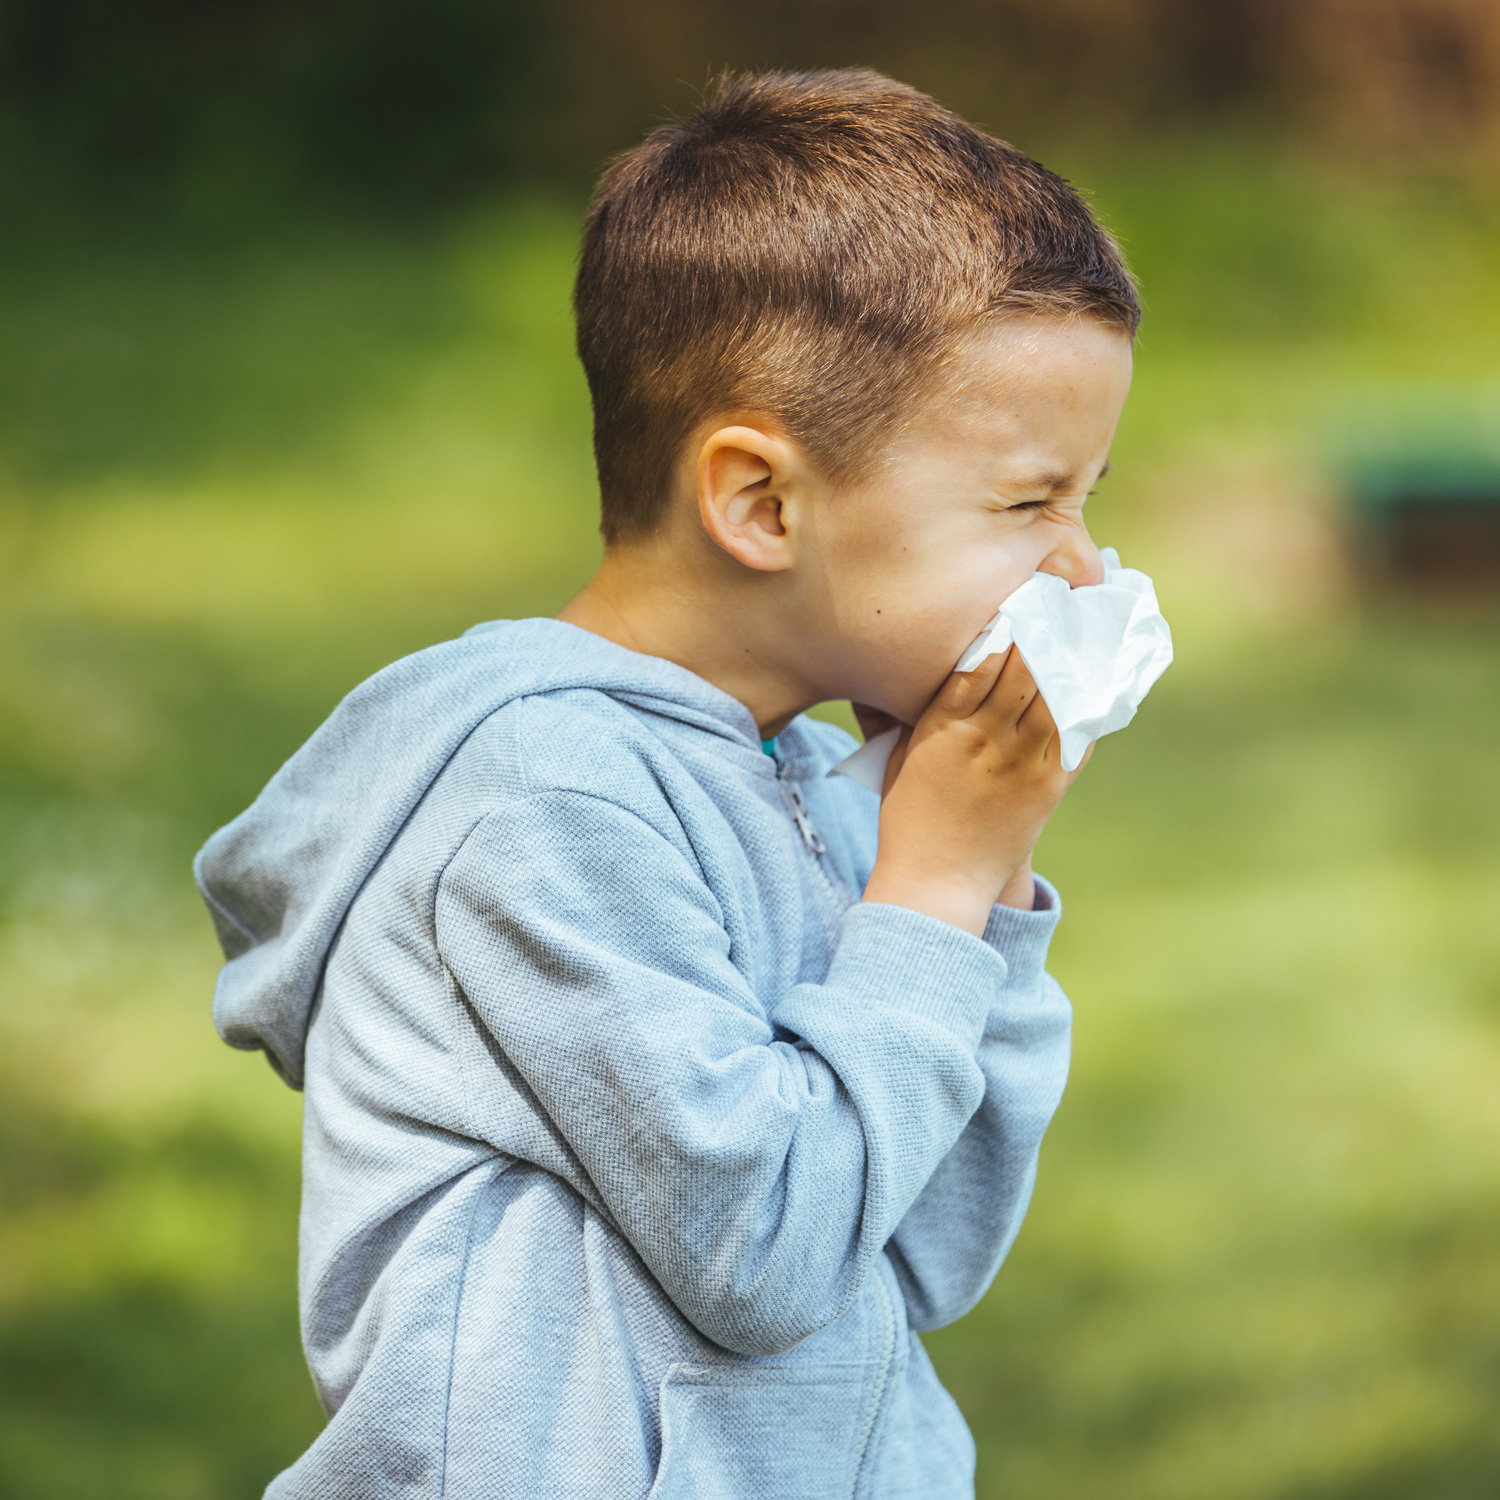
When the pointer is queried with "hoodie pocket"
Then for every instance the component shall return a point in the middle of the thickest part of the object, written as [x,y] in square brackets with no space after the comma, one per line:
[760,1432]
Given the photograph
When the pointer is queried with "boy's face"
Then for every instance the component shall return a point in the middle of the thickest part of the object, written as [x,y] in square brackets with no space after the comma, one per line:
[985,488]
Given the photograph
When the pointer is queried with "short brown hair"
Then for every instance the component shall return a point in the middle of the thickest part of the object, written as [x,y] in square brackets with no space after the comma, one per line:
[812,246]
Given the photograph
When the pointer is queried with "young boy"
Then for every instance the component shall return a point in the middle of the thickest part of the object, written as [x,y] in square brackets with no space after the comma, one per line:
[653,1103]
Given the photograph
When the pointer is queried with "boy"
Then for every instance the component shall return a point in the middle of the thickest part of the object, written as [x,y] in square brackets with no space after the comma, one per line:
[653,1104]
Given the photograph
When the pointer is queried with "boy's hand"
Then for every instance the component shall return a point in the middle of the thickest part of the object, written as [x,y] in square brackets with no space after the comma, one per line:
[967,794]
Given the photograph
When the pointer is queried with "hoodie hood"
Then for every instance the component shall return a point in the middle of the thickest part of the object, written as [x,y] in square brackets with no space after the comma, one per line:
[281,877]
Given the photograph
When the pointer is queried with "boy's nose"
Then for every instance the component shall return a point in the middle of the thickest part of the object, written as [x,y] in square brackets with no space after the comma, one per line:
[1075,558]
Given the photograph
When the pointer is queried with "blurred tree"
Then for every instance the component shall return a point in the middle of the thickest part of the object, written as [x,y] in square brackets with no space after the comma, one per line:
[1412,75]
[1400,74]
[408,104]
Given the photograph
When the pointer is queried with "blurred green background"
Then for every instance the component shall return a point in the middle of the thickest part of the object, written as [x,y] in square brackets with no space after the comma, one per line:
[286,390]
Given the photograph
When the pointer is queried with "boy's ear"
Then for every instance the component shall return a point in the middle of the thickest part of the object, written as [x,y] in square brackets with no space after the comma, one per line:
[743,476]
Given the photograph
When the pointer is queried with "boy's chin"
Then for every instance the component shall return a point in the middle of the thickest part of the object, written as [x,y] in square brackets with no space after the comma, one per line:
[888,702]
[889,711]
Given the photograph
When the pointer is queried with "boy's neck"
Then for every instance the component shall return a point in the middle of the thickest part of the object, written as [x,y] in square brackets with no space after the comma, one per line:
[733,632]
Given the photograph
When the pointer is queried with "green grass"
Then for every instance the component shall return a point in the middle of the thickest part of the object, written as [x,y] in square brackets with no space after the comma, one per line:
[1261,1258]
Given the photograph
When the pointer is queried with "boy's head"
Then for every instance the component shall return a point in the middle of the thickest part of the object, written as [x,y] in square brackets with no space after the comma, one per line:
[815,247]
[885,352]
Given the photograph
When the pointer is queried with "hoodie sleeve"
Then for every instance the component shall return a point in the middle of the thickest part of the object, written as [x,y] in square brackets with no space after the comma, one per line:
[757,1176]
[949,1246]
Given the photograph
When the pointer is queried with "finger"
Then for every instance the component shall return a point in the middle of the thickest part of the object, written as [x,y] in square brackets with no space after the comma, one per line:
[1088,755]
[963,692]
[1011,696]
[1035,724]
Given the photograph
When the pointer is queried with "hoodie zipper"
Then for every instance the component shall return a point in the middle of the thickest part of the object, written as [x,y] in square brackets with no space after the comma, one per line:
[796,804]
[839,895]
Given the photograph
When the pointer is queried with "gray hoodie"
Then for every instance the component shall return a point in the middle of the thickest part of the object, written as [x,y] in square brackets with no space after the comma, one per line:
[636,1148]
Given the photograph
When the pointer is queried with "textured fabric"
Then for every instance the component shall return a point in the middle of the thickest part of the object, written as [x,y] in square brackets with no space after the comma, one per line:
[636,1148]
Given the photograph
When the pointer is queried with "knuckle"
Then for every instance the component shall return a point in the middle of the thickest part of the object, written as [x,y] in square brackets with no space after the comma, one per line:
[968,738]
[959,692]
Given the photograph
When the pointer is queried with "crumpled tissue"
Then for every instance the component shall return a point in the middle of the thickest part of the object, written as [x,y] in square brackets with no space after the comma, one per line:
[1094,651]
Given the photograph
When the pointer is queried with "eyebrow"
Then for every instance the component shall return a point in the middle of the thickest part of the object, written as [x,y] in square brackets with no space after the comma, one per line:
[1053,481]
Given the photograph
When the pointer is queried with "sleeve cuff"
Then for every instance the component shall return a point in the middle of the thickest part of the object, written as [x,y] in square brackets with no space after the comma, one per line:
[1023,937]
[926,967]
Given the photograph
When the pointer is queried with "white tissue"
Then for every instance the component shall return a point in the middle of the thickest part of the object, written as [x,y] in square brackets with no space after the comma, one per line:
[1094,651]
[867,764]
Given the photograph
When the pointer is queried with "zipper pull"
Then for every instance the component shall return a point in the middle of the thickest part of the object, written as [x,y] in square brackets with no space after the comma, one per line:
[796,804]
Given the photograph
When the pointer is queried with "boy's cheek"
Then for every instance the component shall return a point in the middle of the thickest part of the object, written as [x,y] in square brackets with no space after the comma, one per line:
[910,629]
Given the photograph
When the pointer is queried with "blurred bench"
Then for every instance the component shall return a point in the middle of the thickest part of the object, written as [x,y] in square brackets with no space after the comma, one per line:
[1430,518]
